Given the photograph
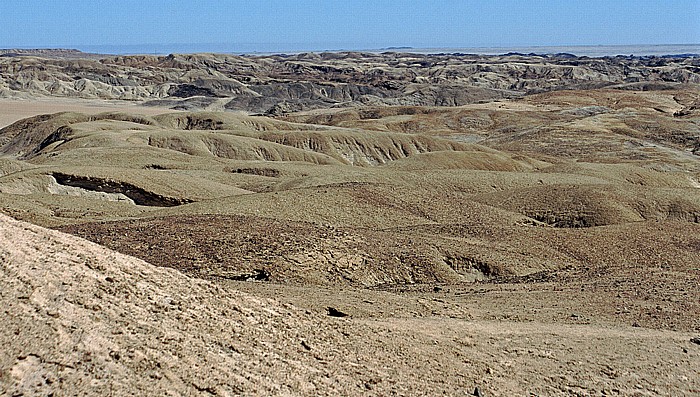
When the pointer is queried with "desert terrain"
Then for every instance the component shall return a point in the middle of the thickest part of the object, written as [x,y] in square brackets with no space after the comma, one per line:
[349,224]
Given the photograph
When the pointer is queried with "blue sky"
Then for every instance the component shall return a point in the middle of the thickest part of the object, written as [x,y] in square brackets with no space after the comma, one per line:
[360,24]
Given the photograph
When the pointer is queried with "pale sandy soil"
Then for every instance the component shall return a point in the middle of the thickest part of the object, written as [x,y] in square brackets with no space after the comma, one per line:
[80,319]
[12,110]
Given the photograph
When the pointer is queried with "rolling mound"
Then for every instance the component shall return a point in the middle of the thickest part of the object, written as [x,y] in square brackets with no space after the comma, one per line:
[292,252]
[596,205]
[171,160]
[600,126]
[218,135]
[465,160]
[417,208]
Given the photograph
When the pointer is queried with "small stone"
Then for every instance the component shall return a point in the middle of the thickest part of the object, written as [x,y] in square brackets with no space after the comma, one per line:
[333,312]
[477,392]
[305,345]
[695,340]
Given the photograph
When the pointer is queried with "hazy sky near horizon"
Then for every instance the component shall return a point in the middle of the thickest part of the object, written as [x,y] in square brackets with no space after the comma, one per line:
[346,24]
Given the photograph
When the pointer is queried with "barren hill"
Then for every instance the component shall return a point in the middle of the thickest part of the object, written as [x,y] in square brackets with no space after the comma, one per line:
[82,320]
[424,224]
[402,197]
[280,84]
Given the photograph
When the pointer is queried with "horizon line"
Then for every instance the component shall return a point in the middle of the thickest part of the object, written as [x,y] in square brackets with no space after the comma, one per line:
[139,49]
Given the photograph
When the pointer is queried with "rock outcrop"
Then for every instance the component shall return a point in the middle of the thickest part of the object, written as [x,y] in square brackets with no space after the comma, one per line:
[279,84]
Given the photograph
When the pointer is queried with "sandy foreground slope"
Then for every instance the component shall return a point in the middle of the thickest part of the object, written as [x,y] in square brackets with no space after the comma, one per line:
[80,319]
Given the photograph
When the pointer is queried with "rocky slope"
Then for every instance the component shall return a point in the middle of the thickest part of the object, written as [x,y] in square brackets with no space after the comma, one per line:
[283,83]
[82,320]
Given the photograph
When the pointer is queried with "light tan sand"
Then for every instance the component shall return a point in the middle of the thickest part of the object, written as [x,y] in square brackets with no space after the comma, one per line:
[12,110]
[82,320]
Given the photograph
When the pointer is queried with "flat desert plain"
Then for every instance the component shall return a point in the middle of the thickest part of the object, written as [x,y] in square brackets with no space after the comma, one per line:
[12,110]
